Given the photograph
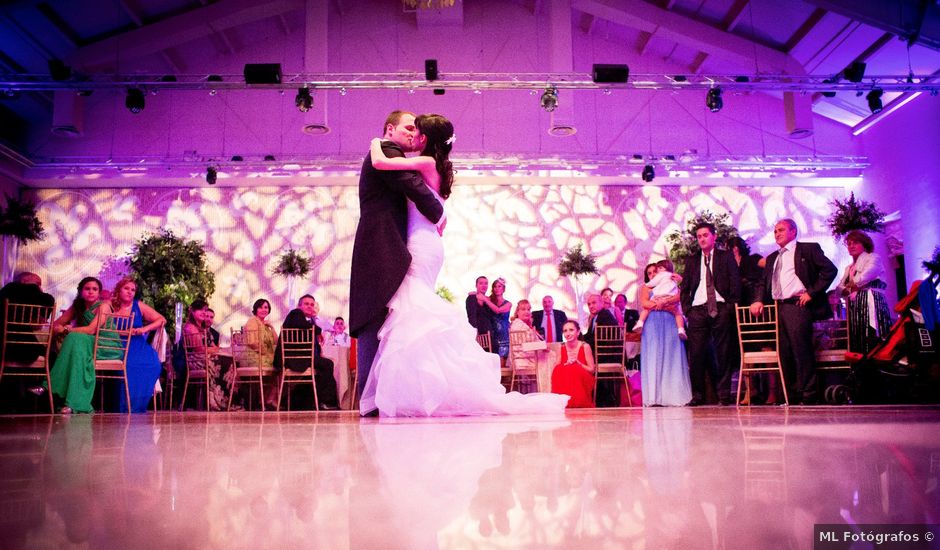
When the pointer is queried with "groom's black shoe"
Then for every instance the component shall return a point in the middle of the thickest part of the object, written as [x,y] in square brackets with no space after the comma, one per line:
[325,407]
[374,413]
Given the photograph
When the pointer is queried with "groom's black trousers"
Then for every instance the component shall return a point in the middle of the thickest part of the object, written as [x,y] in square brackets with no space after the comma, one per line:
[367,343]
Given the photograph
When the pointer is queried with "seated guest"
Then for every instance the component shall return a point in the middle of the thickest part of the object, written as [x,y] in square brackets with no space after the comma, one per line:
[26,288]
[607,302]
[608,391]
[340,336]
[143,365]
[73,374]
[574,373]
[549,321]
[260,338]
[214,335]
[203,354]
[305,317]
[522,322]
[626,317]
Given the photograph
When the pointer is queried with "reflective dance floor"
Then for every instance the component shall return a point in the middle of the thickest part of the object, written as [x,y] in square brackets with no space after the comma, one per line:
[643,478]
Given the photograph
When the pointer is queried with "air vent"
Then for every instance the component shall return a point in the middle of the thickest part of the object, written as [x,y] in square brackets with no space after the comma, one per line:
[316,129]
[562,130]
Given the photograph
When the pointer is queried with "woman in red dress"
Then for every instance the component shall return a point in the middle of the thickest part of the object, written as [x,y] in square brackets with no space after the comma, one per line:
[574,373]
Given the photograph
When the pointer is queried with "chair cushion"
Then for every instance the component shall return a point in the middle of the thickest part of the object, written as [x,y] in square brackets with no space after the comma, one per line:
[761,357]
[109,364]
[609,367]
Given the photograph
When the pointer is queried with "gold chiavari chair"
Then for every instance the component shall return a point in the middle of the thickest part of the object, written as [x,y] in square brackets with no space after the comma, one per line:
[760,345]
[610,358]
[246,355]
[196,351]
[523,364]
[112,342]
[297,346]
[27,330]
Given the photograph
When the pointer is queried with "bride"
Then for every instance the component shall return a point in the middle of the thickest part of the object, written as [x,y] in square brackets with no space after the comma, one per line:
[428,362]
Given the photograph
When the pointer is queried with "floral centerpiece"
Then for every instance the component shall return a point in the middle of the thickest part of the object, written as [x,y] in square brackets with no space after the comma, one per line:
[293,264]
[851,213]
[576,264]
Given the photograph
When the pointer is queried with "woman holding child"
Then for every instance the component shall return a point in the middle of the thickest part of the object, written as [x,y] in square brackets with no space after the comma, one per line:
[664,368]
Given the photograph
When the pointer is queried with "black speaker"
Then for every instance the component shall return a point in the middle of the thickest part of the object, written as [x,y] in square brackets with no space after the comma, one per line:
[855,72]
[262,73]
[610,74]
[430,69]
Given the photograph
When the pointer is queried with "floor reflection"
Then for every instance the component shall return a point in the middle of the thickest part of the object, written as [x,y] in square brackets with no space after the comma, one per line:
[653,478]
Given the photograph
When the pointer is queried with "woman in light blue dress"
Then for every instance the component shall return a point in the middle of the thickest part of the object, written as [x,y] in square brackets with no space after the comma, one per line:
[664,368]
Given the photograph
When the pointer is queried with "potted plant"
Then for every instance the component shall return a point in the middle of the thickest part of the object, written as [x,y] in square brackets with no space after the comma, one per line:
[576,264]
[853,214]
[170,270]
[684,244]
[292,264]
[19,224]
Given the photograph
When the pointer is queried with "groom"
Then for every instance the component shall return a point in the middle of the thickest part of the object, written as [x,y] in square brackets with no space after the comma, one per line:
[380,252]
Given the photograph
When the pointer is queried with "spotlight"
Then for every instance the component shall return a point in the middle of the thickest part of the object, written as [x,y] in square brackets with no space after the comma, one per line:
[549,100]
[430,69]
[829,93]
[439,91]
[855,72]
[168,78]
[59,70]
[680,78]
[211,175]
[649,174]
[303,101]
[742,79]
[134,100]
[713,99]
[874,100]
[269,158]
[237,158]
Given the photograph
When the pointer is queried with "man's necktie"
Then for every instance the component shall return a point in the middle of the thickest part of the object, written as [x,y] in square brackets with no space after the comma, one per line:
[549,329]
[711,302]
[777,290]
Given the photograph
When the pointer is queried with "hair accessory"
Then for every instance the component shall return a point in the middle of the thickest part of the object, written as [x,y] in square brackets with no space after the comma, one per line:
[451,139]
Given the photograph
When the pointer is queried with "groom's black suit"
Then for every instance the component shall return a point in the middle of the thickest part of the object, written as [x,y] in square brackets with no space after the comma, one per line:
[380,252]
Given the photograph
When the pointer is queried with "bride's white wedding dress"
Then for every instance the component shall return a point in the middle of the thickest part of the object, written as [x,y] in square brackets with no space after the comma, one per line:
[428,362]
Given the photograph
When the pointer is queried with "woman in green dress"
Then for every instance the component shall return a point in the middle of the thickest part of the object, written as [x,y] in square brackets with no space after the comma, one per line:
[73,374]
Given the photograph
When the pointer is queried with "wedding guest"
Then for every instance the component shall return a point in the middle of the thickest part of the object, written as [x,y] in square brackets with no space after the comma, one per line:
[549,321]
[710,289]
[574,373]
[499,308]
[203,354]
[260,338]
[522,322]
[607,300]
[143,365]
[305,317]
[662,284]
[26,288]
[73,374]
[210,319]
[796,278]
[478,314]
[864,289]
[664,370]
[608,391]
[339,334]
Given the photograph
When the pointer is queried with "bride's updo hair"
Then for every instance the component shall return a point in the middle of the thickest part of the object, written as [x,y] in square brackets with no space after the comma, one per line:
[438,130]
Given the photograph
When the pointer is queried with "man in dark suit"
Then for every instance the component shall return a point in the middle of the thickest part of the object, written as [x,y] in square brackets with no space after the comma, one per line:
[305,317]
[710,290]
[796,278]
[608,391]
[380,256]
[26,288]
[479,315]
[549,321]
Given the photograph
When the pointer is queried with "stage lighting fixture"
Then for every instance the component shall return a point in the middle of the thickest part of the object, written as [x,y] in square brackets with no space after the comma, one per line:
[829,93]
[649,174]
[211,175]
[134,100]
[874,101]
[269,158]
[58,70]
[303,101]
[713,99]
[262,73]
[430,69]
[610,74]
[439,91]
[237,158]
[168,78]
[855,72]
[549,100]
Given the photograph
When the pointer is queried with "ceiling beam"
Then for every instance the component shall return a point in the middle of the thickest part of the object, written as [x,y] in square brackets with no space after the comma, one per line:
[806,28]
[918,19]
[180,29]
[733,17]
[646,17]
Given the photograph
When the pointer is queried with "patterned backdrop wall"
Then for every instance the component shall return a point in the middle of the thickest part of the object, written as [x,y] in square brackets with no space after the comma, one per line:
[515,231]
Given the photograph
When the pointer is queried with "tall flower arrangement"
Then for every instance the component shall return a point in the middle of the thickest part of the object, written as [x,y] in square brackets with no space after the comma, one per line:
[576,264]
[852,213]
[293,264]
[19,224]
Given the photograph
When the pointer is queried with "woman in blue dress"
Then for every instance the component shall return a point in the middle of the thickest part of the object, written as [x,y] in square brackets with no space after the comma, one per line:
[664,368]
[500,307]
[143,366]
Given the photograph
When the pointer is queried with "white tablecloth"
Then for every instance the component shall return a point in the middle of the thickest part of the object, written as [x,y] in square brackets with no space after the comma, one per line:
[340,357]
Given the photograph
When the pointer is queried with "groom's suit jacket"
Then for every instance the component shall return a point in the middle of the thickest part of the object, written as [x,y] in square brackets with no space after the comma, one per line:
[380,250]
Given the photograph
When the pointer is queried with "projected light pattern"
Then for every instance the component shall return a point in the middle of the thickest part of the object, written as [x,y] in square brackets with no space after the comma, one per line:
[517,232]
